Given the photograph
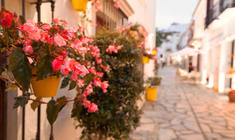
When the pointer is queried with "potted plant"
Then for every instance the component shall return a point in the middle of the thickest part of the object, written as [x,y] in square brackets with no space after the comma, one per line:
[40,54]
[231,96]
[151,89]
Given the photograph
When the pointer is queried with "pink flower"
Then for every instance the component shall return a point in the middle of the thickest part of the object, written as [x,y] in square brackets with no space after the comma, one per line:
[64,70]
[97,82]
[80,83]
[98,60]
[74,76]
[95,51]
[105,68]
[29,26]
[6,19]
[89,89]
[113,48]
[59,40]
[86,102]
[117,4]
[92,108]
[34,35]
[100,74]
[57,63]
[46,27]
[92,70]
[28,49]
[104,86]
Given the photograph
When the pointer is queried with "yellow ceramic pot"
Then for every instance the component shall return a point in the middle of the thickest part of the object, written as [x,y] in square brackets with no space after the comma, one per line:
[154,52]
[151,94]
[46,87]
[79,5]
[145,60]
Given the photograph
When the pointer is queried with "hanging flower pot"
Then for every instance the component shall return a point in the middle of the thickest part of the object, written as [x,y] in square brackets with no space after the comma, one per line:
[79,5]
[145,60]
[46,87]
[151,94]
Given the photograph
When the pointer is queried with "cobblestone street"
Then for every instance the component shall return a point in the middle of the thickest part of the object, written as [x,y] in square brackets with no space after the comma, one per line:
[186,111]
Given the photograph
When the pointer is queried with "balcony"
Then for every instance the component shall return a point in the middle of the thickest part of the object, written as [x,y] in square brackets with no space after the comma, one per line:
[215,9]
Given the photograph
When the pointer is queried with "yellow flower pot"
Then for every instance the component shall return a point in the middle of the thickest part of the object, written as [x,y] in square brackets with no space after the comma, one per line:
[46,87]
[154,52]
[145,60]
[79,5]
[151,94]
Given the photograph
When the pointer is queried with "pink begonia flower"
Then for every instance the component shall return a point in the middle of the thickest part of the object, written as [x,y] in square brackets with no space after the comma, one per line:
[76,44]
[105,68]
[89,89]
[59,40]
[86,103]
[29,26]
[117,4]
[34,35]
[46,27]
[80,83]
[57,63]
[97,82]
[28,49]
[99,74]
[30,60]
[64,53]
[104,86]
[98,60]
[80,69]
[74,76]
[64,70]
[113,48]
[92,70]
[92,108]
[95,51]
[6,19]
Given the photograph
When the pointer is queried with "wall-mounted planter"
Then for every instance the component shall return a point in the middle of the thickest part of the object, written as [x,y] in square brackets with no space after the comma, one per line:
[145,60]
[79,5]
[151,94]
[45,88]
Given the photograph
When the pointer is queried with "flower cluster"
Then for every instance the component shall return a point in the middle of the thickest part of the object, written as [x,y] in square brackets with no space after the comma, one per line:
[64,50]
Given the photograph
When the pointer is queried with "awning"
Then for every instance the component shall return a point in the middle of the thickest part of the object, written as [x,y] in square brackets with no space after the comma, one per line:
[186,51]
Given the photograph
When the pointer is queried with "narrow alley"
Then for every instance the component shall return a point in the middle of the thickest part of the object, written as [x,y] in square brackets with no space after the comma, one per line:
[186,111]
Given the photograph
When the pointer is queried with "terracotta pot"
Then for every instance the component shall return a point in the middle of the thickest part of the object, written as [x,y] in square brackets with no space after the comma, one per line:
[231,97]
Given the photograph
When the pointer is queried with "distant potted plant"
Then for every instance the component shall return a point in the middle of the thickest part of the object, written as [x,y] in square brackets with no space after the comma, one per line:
[151,89]
[231,96]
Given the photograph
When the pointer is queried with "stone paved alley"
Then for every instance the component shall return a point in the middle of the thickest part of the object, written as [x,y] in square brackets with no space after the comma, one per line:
[186,111]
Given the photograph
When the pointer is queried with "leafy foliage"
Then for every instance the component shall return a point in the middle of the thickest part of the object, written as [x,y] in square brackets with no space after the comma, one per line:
[118,113]
[154,81]
[161,36]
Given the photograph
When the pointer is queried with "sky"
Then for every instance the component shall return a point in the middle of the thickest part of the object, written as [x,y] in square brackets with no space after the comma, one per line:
[169,11]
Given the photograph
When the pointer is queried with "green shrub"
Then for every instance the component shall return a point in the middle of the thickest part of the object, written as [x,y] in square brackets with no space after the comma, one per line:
[154,81]
[118,112]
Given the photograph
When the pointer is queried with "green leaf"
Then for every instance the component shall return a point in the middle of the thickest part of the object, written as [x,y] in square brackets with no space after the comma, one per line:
[65,82]
[21,100]
[52,111]
[72,85]
[20,67]
[54,107]
[44,63]
[34,105]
